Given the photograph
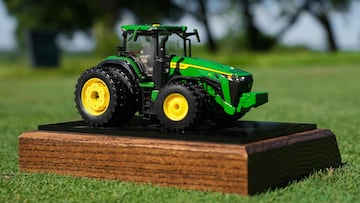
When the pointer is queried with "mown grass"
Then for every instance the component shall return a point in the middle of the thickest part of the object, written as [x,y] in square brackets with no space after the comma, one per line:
[320,91]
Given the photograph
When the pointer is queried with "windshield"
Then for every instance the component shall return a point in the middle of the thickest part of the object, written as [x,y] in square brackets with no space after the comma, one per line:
[143,45]
[174,45]
[147,47]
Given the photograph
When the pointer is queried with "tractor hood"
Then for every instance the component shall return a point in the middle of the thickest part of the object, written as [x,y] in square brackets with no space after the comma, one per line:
[206,66]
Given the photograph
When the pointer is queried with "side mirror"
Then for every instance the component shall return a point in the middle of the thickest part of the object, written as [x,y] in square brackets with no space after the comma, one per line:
[197,35]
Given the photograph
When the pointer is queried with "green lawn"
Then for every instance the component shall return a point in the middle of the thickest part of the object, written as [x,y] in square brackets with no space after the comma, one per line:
[303,87]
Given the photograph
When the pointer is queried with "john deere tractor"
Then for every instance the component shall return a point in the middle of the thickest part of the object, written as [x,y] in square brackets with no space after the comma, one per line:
[155,75]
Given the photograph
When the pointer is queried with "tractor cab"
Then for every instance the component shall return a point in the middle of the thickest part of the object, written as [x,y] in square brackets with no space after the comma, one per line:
[155,43]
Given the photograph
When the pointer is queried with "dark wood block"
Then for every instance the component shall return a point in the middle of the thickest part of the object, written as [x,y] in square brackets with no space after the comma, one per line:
[233,163]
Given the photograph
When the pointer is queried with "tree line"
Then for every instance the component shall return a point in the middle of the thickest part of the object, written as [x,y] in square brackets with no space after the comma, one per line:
[67,16]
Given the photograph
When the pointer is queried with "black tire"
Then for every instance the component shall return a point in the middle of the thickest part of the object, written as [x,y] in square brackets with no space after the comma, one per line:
[102,97]
[192,117]
[129,91]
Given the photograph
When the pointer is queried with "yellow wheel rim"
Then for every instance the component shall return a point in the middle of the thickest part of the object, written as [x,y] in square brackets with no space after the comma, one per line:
[175,107]
[95,96]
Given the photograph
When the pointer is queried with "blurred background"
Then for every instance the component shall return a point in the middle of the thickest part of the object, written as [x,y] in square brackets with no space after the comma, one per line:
[36,28]
[304,53]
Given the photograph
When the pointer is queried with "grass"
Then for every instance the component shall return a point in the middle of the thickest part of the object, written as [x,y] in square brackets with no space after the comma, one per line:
[318,91]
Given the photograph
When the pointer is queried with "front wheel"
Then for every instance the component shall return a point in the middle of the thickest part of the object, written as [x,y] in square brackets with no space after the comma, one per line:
[178,107]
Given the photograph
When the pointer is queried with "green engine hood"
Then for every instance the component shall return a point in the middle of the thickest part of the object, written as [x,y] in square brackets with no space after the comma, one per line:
[205,66]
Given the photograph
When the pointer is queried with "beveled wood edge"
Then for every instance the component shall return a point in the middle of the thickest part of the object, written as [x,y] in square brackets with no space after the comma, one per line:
[282,141]
[134,142]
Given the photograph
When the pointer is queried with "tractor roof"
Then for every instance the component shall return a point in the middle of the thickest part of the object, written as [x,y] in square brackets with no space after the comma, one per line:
[153,27]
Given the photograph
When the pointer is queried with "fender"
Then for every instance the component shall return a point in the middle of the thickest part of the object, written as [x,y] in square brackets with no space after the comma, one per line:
[124,65]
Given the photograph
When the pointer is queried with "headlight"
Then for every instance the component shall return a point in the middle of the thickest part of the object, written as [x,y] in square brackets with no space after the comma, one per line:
[235,77]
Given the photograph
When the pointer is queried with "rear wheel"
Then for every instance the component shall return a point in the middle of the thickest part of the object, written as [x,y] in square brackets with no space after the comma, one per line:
[129,100]
[95,96]
[178,107]
[103,98]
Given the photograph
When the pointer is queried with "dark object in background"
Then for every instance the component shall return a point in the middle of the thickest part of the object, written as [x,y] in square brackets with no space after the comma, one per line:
[43,50]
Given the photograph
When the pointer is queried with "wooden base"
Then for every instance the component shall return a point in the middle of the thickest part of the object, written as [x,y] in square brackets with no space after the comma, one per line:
[243,168]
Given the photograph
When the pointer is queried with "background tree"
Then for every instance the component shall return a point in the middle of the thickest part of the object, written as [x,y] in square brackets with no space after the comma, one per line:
[147,12]
[102,15]
[250,34]
[200,11]
[319,9]
[71,15]
[53,15]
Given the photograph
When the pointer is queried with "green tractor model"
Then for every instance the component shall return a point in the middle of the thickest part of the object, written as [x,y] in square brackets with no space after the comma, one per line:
[155,75]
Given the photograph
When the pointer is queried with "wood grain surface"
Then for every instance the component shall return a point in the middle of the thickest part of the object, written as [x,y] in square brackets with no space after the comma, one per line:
[232,168]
